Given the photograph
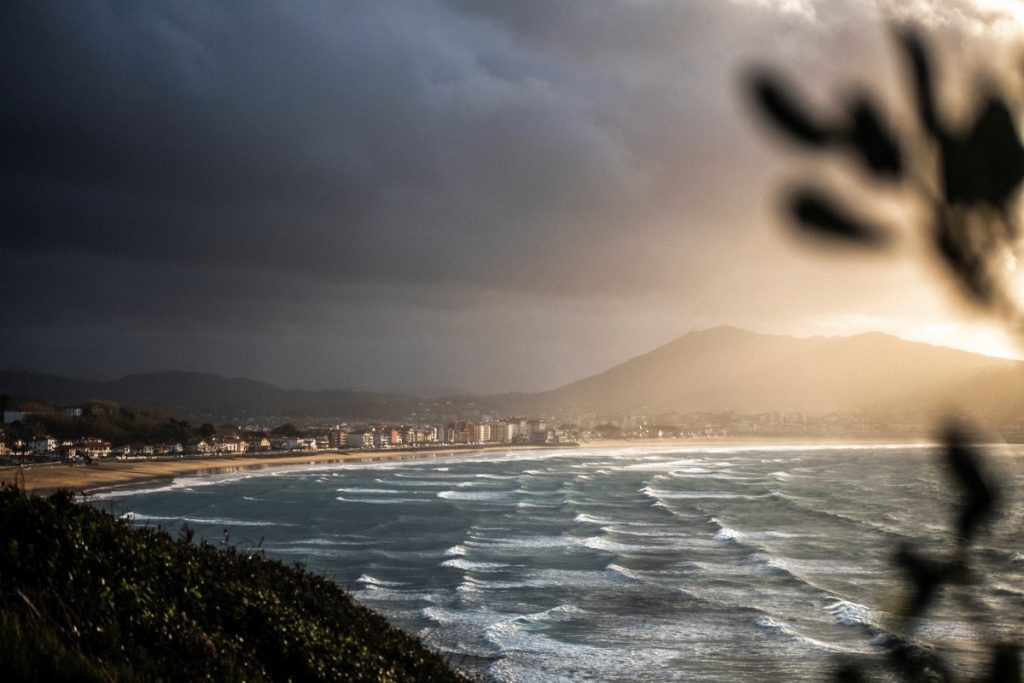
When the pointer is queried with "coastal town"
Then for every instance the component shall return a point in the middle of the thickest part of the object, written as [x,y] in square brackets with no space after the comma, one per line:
[47,433]
[234,440]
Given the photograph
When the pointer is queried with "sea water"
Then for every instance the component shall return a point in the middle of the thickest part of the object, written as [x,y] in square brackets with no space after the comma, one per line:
[660,564]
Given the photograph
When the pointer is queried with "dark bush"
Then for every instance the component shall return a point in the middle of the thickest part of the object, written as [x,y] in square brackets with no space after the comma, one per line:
[84,596]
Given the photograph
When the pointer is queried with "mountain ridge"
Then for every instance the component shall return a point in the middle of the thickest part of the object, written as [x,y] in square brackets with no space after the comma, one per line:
[715,369]
[728,368]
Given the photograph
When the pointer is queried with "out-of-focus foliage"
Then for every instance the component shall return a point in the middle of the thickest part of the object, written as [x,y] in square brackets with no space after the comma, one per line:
[967,177]
[85,597]
[968,180]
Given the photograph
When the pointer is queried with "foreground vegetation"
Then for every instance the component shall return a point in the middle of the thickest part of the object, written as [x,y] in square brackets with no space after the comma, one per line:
[86,597]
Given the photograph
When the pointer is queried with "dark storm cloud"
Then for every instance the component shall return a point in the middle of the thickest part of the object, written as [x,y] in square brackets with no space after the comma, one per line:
[290,180]
[356,140]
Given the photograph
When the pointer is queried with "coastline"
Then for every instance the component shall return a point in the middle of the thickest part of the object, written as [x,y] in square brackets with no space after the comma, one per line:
[42,479]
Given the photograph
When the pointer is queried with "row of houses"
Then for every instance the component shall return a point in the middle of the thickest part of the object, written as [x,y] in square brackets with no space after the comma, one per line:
[505,431]
[49,447]
[490,432]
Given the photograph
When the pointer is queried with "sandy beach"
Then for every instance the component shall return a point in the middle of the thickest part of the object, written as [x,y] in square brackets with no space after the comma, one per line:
[109,473]
[106,474]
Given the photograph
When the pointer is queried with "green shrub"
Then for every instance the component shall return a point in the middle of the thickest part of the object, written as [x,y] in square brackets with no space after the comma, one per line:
[84,596]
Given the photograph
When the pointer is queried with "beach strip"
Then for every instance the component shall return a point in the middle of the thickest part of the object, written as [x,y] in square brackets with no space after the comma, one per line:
[107,474]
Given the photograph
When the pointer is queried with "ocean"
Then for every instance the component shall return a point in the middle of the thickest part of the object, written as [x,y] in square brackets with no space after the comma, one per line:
[686,563]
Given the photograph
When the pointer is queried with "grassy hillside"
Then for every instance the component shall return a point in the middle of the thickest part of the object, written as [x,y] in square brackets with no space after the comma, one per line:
[86,597]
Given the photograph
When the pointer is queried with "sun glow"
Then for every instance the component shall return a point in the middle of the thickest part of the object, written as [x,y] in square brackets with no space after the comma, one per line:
[990,340]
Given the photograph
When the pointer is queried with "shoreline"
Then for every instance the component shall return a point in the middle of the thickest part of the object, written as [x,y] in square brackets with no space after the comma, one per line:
[106,475]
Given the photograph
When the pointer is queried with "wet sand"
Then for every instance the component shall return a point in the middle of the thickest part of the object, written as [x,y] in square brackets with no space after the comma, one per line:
[110,473]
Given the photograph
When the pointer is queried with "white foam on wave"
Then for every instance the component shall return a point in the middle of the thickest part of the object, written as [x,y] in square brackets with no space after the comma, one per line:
[769,624]
[476,496]
[546,493]
[374,594]
[661,495]
[320,540]
[826,567]
[470,566]
[849,613]
[810,448]
[368,580]
[379,501]
[527,505]
[586,579]
[645,530]
[455,551]
[534,542]
[177,484]
[417,475]
[663,466]
[671,541]
[816,507]
[565,612]
[461,631]
[602,543]
[781,628]
[584,518]
[309,551]
[623,571]
[360,491]
[728,535]
[415,483]
[480,484]
[716,569]
[529,654]
[1005,590]
[728,476]
[208,521]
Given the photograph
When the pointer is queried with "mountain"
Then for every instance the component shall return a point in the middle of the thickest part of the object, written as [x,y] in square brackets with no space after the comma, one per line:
[724,368]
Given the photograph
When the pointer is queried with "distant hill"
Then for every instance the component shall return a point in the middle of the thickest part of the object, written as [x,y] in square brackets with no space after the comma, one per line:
[724,368]
[196,393]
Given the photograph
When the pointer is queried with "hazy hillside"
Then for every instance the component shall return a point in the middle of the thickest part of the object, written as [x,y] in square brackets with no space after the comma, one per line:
[724,368]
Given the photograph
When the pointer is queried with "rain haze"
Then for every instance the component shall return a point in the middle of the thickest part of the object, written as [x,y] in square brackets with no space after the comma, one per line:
[430,196]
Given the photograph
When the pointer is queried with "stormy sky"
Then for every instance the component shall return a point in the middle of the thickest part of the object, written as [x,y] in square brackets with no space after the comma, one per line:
[429,195]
